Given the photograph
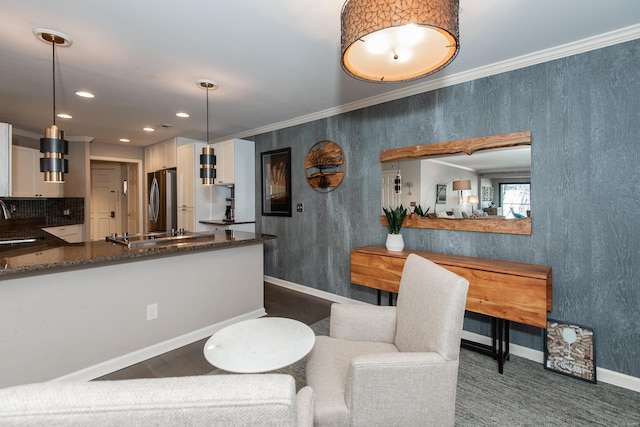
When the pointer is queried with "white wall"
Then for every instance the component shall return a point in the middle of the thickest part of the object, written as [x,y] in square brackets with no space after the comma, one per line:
[433,173]
[59,323]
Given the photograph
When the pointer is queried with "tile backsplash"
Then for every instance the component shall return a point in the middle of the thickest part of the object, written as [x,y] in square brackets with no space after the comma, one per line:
[64,210]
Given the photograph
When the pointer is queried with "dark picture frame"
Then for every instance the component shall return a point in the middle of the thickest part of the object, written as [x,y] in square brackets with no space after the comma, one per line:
[569,349]
[276,182]
[441,194]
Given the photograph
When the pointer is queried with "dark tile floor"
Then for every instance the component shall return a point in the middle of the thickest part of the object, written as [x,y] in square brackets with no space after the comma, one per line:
[189,360]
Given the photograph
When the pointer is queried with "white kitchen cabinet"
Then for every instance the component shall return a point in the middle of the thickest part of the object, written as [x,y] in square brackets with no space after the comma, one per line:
[69,233]
[5,159]
[225,162]
[235,166]
[161,155]
[187,219]
[194,199]
[26,178]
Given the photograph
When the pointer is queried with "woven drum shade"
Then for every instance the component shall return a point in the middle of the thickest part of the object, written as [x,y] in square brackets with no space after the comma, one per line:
[379,45]
[462,184]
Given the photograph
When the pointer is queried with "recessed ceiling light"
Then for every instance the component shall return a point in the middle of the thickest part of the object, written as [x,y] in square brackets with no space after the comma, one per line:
[147,129]
[124,140]
[85,94]
[64,116]
[180,114]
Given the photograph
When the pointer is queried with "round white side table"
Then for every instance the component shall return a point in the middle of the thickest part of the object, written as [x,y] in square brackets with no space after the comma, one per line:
[259,345]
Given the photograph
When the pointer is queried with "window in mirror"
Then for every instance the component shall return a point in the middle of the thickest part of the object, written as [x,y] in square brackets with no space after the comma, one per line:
[515,199]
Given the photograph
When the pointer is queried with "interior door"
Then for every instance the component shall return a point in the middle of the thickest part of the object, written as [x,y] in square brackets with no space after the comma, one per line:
[105,206]
[389,196]
[133,202]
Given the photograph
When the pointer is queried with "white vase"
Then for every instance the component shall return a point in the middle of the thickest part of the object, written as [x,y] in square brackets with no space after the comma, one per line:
[395,243]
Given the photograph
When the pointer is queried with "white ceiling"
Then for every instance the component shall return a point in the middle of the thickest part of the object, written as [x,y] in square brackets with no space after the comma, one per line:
[276,62]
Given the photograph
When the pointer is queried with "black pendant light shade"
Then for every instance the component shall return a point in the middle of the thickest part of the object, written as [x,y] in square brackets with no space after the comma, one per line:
[54,147]
[207,165]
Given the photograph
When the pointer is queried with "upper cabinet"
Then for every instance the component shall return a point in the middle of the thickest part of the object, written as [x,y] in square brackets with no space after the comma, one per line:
[5,159]
[160,156]
[27,180]
[235,167]
[234,159]
[225,167]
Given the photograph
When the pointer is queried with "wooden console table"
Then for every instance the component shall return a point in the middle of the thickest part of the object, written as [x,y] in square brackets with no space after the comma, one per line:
[505,290]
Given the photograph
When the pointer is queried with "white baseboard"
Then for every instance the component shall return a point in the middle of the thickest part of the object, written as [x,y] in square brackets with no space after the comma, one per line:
[311,291]
[129,359]
[604,375]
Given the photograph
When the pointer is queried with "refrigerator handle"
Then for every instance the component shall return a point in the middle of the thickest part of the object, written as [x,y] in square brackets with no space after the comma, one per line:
[154,196]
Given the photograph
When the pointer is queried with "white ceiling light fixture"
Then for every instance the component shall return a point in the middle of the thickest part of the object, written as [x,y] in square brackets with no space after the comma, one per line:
[124,140]
[207,158]
[64,116]
[398,40]
[53,146]
[182,115]
[148,129]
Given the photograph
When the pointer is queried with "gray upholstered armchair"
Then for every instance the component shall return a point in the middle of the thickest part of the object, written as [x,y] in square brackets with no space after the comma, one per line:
[384,366]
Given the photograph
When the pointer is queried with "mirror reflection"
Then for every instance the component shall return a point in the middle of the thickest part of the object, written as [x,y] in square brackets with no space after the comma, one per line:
[492,183]
[477,184]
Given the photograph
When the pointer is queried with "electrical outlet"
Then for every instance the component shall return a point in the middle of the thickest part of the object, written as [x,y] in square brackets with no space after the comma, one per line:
[152,311]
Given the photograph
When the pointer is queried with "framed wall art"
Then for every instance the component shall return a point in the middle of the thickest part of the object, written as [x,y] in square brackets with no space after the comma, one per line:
[569,350]
[276,182]
[441,194]
[487,194]
[325,166]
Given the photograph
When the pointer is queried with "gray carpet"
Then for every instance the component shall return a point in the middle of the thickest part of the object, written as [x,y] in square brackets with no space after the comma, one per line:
[525,395]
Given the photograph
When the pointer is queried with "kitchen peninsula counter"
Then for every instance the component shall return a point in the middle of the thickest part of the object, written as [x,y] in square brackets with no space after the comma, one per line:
[80,311]
[54,254]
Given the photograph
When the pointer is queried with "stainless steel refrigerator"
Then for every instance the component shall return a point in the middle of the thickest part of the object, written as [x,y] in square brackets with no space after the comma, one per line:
[162,202]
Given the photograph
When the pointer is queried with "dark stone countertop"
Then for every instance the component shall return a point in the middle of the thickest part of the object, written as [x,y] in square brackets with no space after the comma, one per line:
[53,255]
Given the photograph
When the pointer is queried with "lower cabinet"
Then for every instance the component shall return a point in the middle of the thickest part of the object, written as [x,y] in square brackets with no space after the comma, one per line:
[186,218]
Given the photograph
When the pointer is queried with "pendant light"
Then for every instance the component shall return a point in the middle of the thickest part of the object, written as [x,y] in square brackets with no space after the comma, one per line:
[53,146]
[398,40]
[207,158]
[397,182]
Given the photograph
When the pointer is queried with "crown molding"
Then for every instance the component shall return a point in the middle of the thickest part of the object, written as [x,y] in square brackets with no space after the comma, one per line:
[36,136]
[585,45]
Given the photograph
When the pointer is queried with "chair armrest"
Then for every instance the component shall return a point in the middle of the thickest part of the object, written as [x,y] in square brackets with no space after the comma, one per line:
[304,405]
[377,382]
[360,322]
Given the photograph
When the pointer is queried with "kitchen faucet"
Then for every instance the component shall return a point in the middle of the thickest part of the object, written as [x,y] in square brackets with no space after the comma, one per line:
[5,211]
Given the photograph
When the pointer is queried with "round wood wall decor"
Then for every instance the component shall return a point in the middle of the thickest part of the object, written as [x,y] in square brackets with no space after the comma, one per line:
[325,166]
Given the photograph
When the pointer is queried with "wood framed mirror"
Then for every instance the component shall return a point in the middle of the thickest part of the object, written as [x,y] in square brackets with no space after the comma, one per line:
[496,198]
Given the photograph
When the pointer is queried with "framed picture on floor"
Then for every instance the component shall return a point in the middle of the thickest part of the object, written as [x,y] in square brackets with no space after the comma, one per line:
[276,182]
[569,350]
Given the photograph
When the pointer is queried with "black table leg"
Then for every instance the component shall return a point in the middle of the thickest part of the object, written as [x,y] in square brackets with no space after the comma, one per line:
[499,348]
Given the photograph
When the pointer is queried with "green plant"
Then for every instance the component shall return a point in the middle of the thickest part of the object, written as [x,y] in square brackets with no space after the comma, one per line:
[395,218]
[418,211]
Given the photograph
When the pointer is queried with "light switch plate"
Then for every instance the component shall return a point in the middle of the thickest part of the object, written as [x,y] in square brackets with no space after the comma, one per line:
[299,207]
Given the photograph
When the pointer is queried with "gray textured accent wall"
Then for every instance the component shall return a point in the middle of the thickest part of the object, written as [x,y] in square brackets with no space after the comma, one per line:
[584,115]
